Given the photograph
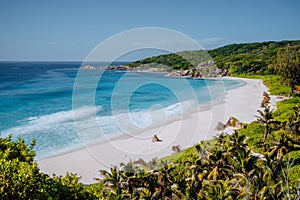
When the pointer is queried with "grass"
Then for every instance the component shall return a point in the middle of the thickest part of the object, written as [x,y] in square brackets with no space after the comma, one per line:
[293,159]
[285,108]
[275,86]
[188,153]
[272,82]
[254,133]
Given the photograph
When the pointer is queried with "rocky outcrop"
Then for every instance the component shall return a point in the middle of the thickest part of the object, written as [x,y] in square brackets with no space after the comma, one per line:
[156,139]
[139,162]
[191,73]
[119,67]
[88,67]
[176,149]
[111,67]
[206,64]
[210,69]
[220,126]
[147,69]
[135,69]
[204,69]
[234,122]
[218,73]
[198,73]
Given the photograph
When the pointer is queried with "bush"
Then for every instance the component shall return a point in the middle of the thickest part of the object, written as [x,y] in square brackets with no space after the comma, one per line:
[20,177]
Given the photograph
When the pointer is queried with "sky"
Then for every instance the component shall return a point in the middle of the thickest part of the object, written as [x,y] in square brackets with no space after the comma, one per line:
[67,30]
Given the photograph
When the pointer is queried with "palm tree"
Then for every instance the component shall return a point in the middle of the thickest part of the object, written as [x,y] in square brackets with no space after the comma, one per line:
[220,189]
[115,182]
[294,122]
[194,181]
[284,145]
[219,161]
[236,142]
[165,186]
[203,148]
[266,119]
[145,184]
[266,100]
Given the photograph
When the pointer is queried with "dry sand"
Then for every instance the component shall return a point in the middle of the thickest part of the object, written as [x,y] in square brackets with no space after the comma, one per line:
[86,162]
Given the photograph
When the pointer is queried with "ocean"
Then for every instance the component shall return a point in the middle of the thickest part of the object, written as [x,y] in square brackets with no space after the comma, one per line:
[41,100]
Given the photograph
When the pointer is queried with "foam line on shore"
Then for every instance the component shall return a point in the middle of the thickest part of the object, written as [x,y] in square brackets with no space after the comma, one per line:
[242,103]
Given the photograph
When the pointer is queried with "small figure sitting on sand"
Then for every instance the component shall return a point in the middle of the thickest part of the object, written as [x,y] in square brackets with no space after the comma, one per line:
[156,139]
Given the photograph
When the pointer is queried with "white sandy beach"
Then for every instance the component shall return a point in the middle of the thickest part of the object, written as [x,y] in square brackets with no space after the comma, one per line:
[241,103]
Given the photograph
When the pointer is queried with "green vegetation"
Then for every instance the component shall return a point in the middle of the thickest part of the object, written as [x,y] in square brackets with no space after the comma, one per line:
[259,161]
[248,58]
[174,61]
[275,86]
[287,109]
[266,60]
[273,83]
[189,153]
[20,177]
[244,165]
[287,64]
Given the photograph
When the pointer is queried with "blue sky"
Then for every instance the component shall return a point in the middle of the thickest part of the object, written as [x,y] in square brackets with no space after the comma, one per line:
[67,30]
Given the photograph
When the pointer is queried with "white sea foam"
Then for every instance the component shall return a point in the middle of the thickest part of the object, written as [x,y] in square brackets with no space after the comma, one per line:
[55,119]
[64,116]
[179,108]
[57,132]
[140,119]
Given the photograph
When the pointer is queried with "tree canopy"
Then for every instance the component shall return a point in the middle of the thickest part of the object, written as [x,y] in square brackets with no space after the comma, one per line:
[248,58]
[287,65]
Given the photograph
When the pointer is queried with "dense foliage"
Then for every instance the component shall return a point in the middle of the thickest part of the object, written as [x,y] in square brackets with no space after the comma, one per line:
[244,165]
[248,58]
[260,161]
[287,64]
[269,61]
[20,177]
[173,60]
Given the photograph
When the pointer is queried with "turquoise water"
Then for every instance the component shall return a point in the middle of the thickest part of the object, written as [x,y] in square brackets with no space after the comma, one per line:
[37,101]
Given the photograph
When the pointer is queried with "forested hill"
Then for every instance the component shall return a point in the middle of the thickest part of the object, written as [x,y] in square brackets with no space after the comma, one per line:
[247,58]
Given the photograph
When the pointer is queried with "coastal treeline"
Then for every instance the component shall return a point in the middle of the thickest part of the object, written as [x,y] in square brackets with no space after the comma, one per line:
[268,61]
[259,161]
[248,164]
[247,58]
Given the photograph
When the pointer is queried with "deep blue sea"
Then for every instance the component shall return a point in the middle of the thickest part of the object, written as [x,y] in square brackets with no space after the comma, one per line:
[37,101]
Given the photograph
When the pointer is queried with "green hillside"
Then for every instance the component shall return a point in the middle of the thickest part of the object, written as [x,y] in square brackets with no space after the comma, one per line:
[248,58]
[259,161]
